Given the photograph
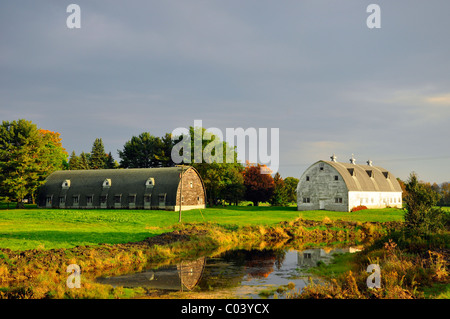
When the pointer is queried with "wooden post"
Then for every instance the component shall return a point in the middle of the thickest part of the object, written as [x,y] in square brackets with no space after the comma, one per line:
[181,191]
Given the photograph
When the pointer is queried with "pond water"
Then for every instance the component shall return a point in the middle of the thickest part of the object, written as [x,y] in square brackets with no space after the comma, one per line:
[266,273]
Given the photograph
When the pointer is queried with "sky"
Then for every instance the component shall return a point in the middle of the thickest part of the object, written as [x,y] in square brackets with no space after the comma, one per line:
[311,68]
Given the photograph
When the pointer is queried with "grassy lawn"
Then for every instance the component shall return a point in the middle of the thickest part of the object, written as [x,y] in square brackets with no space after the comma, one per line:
[22,229]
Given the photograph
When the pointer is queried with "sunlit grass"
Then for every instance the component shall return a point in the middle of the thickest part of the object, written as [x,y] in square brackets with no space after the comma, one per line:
[31,228]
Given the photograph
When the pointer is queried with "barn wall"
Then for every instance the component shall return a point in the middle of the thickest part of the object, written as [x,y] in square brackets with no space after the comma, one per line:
[193,195]
[375,199]
[324,187]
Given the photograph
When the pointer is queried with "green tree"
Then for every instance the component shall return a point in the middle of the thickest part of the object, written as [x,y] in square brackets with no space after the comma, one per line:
[110,162]
[279,196]
[84,161]
[27,156]
[145,151]
[97,160]
[74,161]
[222,180]
[291,189]
[421,214]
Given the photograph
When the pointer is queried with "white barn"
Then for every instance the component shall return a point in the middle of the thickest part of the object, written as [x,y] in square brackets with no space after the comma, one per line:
[331,185]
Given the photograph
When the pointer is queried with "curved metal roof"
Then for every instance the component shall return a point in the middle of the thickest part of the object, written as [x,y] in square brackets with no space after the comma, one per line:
[366,178]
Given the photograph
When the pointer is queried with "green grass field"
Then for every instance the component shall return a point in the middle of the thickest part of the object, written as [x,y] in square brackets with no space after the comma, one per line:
[22,229]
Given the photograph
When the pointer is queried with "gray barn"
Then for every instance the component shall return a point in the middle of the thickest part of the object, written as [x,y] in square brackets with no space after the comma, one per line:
[138,188]
[332,185]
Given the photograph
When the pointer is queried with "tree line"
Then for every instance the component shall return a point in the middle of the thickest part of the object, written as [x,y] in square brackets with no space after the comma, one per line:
[29,154]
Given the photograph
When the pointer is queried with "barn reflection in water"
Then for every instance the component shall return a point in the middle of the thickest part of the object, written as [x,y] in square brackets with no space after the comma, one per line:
[229,269]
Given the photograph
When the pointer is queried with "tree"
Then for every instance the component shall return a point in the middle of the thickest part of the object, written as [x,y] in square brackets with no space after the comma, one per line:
[259,187]
[27,156]
[97,160]
[421,214]
[74,161]
[291,184]
[84,161]
[279,196]
[110,162]
[146,151]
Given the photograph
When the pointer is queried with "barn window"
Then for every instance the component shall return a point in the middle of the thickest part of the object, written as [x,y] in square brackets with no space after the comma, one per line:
[132,198]
[76,199]
[306,200]
[307,255]
[370,173]
[62,200]
[321,166]
[117,199]
[107,182]
[338,200]
[162,199]
[336,177]
[192,184]
[351,171]
[147,198]
[386,174]
[89,199]
[103,199]
[307,178]
[48,200]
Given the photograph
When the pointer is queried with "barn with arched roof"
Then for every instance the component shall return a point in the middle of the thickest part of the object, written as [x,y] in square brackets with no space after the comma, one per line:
[332,185]
[135,188]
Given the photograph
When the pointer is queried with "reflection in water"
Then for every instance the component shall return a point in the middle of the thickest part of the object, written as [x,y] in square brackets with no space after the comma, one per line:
[184,275]
[245,271]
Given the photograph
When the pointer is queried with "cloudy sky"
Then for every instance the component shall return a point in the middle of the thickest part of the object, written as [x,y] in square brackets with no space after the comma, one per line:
[311,68]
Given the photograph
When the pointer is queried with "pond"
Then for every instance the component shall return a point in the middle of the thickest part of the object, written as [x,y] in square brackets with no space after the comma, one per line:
[253,273]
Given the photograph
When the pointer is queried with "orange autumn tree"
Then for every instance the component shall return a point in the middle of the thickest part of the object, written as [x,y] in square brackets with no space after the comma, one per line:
[259,187]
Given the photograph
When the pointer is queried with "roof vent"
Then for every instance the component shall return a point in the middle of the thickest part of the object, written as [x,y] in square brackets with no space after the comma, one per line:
[351,171]
[386,174]
[369,162]
[333,158]
[353,160]
[369,172]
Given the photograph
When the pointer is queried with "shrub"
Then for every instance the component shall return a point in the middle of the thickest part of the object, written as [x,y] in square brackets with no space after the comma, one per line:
[360,207]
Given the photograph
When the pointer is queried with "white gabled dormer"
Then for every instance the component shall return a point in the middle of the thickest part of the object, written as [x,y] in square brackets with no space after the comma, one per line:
[150,182]
[66,184]
[107,182]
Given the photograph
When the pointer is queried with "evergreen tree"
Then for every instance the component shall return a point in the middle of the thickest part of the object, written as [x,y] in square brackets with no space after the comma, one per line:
[279,196]
[74,161]
[84,161]
[110,162]
[421,216]
[98,157]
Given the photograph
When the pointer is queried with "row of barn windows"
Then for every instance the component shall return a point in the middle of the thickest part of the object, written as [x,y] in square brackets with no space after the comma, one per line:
[107,183]
[117,199]
[338,200]
[103,199]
